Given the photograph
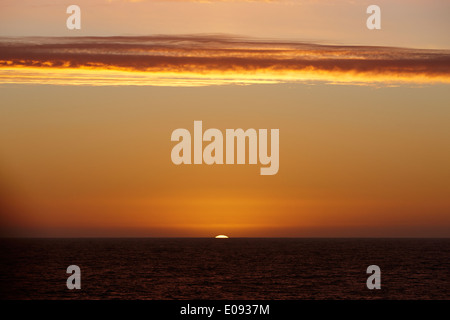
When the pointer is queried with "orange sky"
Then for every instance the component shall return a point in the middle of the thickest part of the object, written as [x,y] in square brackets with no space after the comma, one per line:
[354,161]
[405,23]
[85,123]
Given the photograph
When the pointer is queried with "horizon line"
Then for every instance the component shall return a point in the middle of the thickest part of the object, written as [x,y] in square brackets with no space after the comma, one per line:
[213,237]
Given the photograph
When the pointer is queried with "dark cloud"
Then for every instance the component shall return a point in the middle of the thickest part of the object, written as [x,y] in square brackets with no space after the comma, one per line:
[219,53]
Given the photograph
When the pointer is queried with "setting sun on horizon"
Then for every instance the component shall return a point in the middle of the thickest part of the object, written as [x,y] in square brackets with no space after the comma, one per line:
[210,158]
[221,236]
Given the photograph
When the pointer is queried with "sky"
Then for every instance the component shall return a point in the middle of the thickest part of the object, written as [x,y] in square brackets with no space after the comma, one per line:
[405,23]
[86,118]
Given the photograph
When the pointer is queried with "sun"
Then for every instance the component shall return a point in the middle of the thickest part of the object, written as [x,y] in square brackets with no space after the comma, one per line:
[221,236]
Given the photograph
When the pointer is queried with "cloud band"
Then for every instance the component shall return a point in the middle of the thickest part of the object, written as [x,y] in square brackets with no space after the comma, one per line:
[203,60]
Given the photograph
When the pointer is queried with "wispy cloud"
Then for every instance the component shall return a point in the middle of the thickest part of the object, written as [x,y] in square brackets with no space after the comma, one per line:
[210,60]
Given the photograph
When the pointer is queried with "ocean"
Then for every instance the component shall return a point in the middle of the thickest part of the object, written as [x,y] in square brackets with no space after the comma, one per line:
[214,269]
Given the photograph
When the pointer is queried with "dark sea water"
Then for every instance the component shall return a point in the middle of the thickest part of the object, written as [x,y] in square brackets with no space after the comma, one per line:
[225,268]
